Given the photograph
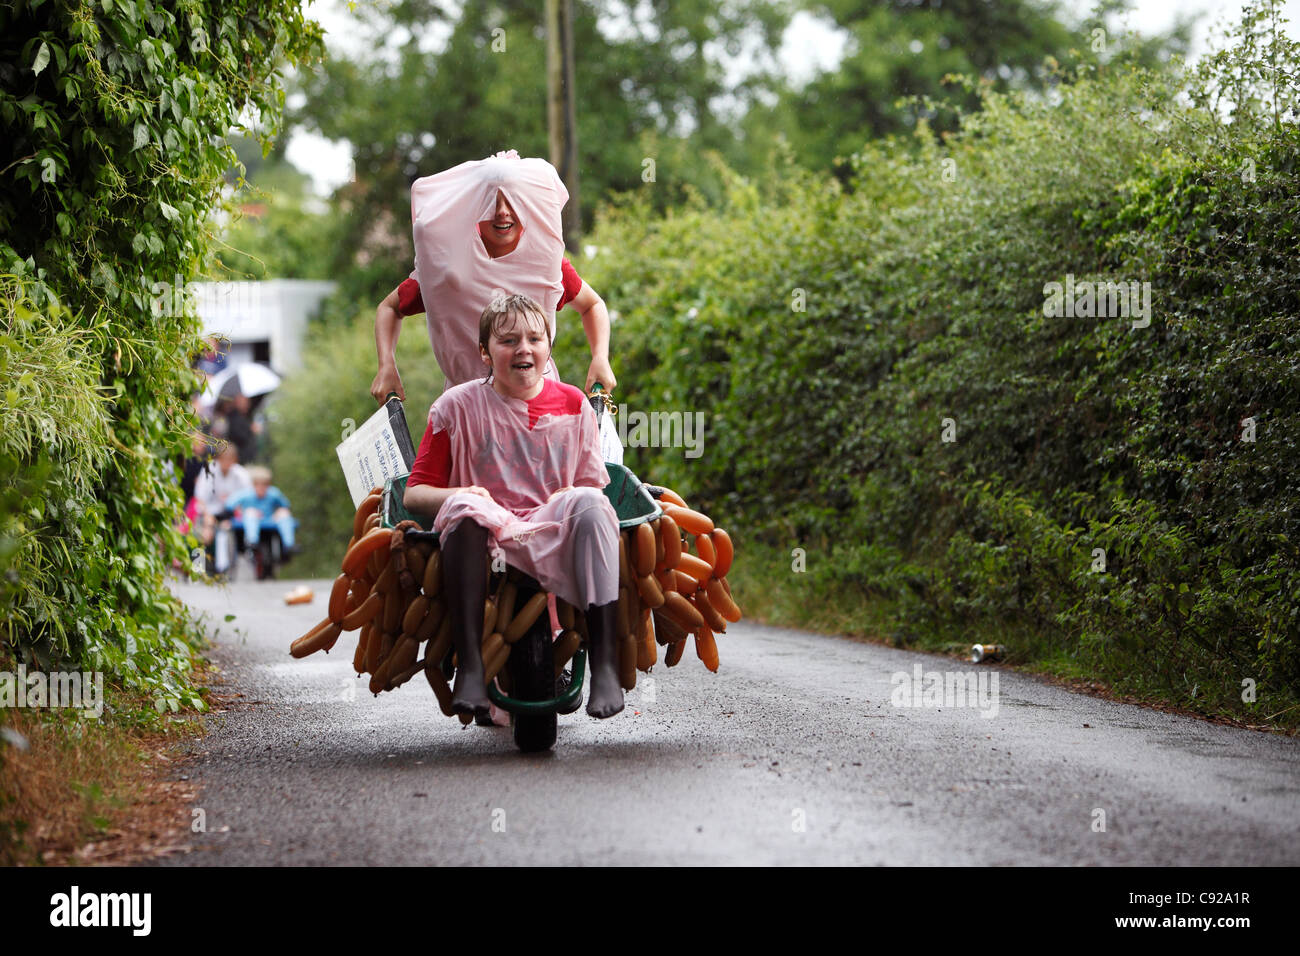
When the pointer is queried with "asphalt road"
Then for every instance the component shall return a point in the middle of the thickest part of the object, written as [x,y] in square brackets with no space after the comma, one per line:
[793,753]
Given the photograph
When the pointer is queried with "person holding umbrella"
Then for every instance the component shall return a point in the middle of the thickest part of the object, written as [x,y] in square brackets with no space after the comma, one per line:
[235,388]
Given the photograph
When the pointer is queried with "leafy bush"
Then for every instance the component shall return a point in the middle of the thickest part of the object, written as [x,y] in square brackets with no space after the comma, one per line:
[115,114]
[827,335]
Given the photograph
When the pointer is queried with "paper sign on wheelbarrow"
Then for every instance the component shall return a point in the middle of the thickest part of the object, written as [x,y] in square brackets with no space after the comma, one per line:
[380,449]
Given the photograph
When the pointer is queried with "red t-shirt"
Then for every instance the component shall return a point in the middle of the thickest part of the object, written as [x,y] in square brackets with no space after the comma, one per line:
[410,302]
[433,460]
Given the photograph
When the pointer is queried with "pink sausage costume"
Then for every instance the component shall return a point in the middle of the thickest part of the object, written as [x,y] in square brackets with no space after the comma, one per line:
[568,543]
[555,541]
[457,277]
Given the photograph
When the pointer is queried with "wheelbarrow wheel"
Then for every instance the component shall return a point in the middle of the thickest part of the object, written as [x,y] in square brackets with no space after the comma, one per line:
[532,676]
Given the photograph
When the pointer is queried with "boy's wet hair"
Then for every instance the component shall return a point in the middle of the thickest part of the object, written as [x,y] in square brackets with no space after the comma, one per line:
[258,473]
[503,311]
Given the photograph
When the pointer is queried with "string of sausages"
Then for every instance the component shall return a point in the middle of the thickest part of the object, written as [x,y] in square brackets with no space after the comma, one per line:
[390,589]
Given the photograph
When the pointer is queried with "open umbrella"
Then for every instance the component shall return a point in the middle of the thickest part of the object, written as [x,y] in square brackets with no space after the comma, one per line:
[249,378]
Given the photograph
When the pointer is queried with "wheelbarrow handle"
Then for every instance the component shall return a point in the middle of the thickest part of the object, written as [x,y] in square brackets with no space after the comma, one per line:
[600,399]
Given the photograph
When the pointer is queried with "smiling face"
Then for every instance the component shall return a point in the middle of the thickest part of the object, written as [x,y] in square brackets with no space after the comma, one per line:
[518,346]
[501,233]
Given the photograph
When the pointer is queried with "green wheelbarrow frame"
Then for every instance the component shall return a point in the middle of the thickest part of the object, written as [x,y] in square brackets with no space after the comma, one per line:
[633,504]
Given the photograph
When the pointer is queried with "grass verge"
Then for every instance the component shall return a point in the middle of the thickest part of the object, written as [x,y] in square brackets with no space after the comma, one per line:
[772,590]
[88,791]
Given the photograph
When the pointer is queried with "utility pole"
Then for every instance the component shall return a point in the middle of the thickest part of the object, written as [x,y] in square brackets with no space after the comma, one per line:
[561,113]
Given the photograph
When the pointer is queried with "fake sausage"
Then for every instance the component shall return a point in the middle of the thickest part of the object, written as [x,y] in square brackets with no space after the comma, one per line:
[339,598]
[440,643]
[359,656]
[692,522]
[626,642]
[672,539]
[364,613]
[722,600]
[414,616]
[672,497]
[495,652]
[432,620]
[625,575]
[432,575]
[682,612]
[695,567]
[506,605]
[373,647]
[368,506]
[645,550]
[675,652]
[705,549]
[567,614]
[355,560]
[651,593]
[394,609]
[726,552]
[324,633]
[667,631]
[387,580]
[415,564]
[700,600]
[528,614]
[564,649]
[683,583]
[646,652]
[399,659]
[706,648]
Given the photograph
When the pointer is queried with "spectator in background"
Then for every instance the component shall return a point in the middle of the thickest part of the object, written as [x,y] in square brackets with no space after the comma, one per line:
[200,460]
[213,359]
[216,486]
[264,504]
[235,424]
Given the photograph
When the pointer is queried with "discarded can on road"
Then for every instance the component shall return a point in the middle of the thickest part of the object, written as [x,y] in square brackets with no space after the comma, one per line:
[987,652]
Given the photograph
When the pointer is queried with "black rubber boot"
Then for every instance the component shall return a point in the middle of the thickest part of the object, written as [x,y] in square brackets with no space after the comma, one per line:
[465,585]
[606,698]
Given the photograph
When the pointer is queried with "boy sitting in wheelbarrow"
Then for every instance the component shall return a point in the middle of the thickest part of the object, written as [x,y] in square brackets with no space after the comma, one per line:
[512,463]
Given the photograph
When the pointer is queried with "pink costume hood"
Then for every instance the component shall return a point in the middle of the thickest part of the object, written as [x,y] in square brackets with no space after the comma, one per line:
[457,277]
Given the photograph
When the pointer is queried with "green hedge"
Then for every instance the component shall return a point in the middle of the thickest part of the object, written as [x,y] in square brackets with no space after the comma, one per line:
[924,295]
[115,115]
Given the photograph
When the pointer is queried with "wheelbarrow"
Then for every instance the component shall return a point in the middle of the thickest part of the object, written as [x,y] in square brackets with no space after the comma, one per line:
[530,668]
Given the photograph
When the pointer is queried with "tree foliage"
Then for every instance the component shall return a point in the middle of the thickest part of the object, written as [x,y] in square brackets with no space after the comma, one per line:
[415,104]
[115,115]
[1102,505]
[900,55]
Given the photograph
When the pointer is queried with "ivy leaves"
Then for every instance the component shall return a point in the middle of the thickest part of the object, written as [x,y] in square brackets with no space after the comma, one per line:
[115,114]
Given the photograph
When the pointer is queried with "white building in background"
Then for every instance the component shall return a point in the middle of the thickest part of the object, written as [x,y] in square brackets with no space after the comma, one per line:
[263,321]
